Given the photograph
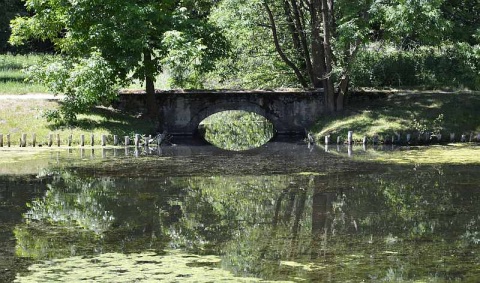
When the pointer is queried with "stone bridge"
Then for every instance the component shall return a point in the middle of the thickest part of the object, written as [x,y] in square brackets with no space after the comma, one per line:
[291,112]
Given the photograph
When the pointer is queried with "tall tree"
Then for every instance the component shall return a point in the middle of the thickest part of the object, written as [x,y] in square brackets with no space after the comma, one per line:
[324,37]
[130,38]
[319,39]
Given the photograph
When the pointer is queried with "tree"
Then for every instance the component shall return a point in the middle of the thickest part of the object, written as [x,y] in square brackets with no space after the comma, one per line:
[9,9]
[324,37]
[319,39]
[129,39]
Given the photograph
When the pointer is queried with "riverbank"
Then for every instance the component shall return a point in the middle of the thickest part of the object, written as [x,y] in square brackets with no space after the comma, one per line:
[24,114]
[368,113]
[394,113]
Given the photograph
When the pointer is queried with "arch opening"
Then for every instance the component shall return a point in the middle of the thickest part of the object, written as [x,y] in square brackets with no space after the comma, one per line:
[236,130]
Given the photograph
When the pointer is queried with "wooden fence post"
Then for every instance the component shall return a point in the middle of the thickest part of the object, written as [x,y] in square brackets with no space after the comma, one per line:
[104,140]
[70,138]
[8,140]
[92,139]
[82,140]
[137,140]
[58,140]
[350,137]
[1,140]
[327,139]
[127,140]
[23,141]
[115,140]
[34,139]
[50,140]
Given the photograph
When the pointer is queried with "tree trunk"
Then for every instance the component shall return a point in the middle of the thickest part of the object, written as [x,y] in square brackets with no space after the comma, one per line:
[318,55]
[328,87]
[152,107]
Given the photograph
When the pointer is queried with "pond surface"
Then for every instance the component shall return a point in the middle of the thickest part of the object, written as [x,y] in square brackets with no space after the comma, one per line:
[283,212]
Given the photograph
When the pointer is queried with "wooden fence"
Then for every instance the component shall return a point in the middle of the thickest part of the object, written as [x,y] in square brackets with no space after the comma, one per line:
[24,140]
[55,140]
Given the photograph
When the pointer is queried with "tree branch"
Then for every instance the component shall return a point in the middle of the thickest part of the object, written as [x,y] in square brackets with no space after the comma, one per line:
[280,52]
[303,38]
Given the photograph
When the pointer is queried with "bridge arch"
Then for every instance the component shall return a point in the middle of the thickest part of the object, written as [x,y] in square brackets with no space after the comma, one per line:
[251,107]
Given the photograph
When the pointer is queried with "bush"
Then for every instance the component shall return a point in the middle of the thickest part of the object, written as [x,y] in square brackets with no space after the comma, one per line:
[448,66]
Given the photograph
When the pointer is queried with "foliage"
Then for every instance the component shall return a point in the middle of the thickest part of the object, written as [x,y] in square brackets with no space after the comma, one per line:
[252,61]
[85,82]
[10,9]
[123,39]
[463,18]
[434,127]
[427,67]
[296,32]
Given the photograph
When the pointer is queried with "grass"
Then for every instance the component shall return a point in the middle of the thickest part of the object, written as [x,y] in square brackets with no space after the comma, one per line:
[404,112]
[12,76]
[25,116]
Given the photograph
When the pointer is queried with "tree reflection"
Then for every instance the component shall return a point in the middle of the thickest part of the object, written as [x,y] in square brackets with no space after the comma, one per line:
[237,130]
[387,224]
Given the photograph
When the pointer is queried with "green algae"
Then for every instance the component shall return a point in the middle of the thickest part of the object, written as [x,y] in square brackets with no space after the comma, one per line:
[458,154]
[455,154]
[174,266]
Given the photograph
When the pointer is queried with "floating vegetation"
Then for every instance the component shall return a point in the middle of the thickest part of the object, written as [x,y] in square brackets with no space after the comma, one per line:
[174,266]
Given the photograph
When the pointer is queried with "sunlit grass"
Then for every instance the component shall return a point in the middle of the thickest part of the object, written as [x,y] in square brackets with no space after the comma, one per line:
[13,79]
[397,112]
[26,116]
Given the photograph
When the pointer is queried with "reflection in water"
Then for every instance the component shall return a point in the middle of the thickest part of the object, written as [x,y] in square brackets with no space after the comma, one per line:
[236,130]
[397,224]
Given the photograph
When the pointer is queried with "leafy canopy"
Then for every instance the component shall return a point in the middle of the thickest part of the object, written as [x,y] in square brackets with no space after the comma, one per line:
[120,35]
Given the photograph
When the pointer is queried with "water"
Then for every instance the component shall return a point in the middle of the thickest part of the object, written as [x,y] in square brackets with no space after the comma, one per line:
[236,130]
[283,212]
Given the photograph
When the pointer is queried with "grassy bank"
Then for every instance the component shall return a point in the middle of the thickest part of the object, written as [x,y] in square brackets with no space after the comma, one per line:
[12,76]
[403,112]
[25,116]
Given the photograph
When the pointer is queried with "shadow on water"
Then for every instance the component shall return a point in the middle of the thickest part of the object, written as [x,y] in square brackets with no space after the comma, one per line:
[283,211]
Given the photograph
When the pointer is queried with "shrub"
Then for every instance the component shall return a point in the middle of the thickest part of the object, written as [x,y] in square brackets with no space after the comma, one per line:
[448,66]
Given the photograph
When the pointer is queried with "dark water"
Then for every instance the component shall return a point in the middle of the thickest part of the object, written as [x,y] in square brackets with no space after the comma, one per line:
[283,212]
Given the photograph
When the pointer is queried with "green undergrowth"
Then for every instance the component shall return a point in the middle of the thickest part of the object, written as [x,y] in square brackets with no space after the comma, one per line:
[403,112]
